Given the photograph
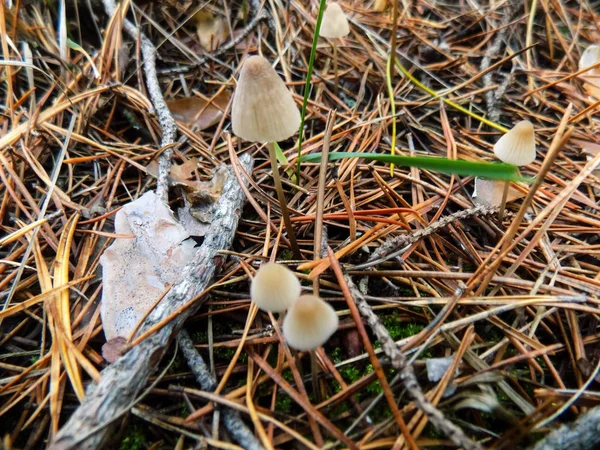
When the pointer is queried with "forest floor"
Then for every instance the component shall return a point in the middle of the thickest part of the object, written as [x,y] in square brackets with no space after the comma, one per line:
[472,330]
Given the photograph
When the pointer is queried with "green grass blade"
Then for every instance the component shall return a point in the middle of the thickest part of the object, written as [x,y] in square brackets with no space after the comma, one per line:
[448,102]
[494,171]
[311,62]
[284,162]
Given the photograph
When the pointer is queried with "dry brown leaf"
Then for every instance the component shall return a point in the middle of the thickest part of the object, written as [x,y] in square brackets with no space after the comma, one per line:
[379,5]
[199,113]
[113,349]
[211,30]
[180,173]
[199,198]
[185,171]
[489,192]
[592,90]
[137,271]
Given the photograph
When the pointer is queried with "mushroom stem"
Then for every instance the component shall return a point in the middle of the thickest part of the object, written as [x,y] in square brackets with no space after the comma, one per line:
[314,368]
[284,210]
[335,67]
[503,202]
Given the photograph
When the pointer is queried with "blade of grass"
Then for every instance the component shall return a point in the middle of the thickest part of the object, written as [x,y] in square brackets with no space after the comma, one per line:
[46,285]
[434,94]
[61,277]
[284,162]
[309,72]
[495,171]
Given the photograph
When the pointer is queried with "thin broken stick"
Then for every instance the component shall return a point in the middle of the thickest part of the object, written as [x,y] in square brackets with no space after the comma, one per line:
[231,418]
[165,118]
[399,362]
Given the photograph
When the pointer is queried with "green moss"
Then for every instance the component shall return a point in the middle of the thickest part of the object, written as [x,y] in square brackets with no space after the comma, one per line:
[336,386]
[336,355]
[287,375]
[287,255]
[431,432]
[283,404]
[200,336]
[225,353]
[381,412]
[398,329]
[183,410]
[350,374]
[135,439]
[374,388]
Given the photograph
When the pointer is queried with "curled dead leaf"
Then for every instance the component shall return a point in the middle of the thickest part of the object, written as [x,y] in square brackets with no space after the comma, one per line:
[199,113]
[137,271]
[113,349]
[489,192]
[210,29]
[592,90]
[199,200]
[185,171]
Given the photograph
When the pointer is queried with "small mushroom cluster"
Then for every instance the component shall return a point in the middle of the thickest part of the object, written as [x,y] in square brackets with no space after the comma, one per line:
[309,321]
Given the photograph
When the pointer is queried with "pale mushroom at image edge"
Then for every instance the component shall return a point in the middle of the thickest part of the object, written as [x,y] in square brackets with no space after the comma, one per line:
[589,57]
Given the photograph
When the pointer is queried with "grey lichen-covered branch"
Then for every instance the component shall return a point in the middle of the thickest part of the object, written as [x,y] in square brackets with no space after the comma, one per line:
[583,434]
[165,119]
[399,362]
[231,418]
[91,425]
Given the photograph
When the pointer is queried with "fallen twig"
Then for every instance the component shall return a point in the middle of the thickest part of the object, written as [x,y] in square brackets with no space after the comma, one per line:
[231,418]
[579,435]
[389,249]
[165,118]
[407,374]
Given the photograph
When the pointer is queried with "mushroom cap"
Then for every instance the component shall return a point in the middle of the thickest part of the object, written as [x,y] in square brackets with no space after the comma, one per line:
[309,323]
[274,287]
[589,57]
[517,147]
[335,23]
[263,109]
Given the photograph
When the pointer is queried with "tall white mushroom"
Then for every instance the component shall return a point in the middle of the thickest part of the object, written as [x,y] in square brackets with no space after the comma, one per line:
[517,147]
[264,110]
[334,26]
